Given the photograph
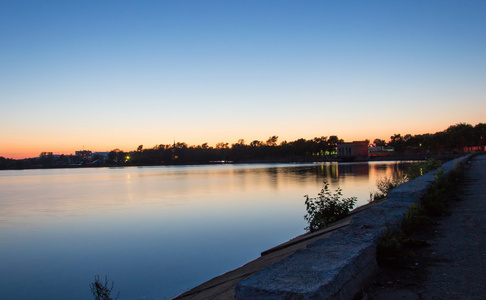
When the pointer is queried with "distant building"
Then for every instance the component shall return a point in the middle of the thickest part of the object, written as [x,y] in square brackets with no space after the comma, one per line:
[380,151]
[84,155]
[357,150]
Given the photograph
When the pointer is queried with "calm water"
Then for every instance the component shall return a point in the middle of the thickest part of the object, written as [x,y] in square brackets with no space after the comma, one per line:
[154,231]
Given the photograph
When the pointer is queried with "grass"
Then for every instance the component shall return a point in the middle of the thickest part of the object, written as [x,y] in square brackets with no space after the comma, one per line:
[395,249]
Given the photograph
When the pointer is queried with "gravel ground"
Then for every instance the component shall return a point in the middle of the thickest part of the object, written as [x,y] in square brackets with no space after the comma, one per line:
[453,266]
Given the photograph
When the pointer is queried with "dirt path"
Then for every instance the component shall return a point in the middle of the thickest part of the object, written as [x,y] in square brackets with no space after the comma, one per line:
[454,266]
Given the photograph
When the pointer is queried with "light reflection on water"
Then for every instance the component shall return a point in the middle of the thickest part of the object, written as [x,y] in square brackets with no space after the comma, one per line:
[155,231]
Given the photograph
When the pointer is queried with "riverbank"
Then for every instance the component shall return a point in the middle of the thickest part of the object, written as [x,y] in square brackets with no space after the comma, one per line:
[453,266]
[334,265]
[29,164]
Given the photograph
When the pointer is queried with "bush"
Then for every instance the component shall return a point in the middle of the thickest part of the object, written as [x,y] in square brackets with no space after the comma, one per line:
[327,208]
[419,169]
[395,247]
[434,202]
[385,185]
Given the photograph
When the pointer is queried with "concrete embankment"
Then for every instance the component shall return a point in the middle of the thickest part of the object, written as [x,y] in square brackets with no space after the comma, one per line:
[453,264]
[335,263]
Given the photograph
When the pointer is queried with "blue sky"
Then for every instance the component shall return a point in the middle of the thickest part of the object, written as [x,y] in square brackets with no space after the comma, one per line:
[117,74]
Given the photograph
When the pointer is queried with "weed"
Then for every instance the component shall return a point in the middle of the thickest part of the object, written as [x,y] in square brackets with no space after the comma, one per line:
[395,247]
[419,169]
[102,291]
[415,219]
[385,185]
[376,197]
[327,208]
[392,249]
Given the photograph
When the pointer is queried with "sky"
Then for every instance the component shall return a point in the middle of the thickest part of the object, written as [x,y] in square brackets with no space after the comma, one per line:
[100,75]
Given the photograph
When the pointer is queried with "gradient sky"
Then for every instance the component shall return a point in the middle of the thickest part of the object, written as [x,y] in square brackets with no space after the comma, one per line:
[118,74]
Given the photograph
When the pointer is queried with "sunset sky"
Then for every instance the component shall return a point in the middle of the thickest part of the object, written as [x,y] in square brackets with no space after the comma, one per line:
[118,74]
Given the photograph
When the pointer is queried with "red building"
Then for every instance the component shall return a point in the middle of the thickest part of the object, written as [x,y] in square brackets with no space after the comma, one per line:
[357,150]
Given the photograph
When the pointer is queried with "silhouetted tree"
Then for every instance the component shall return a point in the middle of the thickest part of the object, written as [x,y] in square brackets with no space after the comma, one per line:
[332,143]
[480,134]
[379,142]
[272,141]
[397,142]
[460,135]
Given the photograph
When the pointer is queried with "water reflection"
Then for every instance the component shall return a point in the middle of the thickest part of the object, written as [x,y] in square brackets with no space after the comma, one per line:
[155,231]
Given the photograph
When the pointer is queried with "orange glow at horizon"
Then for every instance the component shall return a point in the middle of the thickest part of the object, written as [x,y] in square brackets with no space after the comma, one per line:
[27,149]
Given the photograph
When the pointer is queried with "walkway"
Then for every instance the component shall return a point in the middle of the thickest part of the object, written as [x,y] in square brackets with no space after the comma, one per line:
[454,266]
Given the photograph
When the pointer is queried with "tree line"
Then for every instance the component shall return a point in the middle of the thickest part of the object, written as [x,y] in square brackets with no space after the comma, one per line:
[460,137]
[269,150]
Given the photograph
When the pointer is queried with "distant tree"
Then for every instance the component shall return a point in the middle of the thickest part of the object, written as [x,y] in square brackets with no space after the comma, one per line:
[397,142]
[180,145]
[256,143]
[46,159]
[332,143]
[272,141]
[300,148]
[379,142]
[320,145]
[460,135]
[116,156]
[112,156]
[222,145]
[9,163]
[480,134]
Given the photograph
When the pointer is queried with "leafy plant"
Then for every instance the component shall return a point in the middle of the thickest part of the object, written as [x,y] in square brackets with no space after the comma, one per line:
[327,208]
[434,202]
[376,197]
[419,169]
[415,219]
[385,185]
[395,248]
[102,291]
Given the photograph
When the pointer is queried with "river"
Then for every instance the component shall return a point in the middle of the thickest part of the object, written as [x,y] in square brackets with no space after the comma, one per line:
[154,231]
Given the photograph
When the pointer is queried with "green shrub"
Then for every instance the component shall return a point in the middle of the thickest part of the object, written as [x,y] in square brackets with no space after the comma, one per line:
[376,197]
[385,185]
[419,169]
[395,247]
[327,208]
[414,219]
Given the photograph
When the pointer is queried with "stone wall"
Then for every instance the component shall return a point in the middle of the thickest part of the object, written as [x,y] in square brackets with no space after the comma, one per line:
[340,266]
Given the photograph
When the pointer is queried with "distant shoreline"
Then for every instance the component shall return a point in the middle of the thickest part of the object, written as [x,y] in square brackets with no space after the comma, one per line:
[443,157]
